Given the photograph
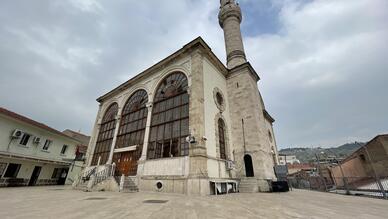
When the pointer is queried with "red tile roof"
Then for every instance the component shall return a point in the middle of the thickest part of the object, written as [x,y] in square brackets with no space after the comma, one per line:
[24,119]
[300,166]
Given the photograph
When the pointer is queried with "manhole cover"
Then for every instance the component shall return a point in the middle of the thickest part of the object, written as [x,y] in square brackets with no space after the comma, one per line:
[95,198]
[155,201]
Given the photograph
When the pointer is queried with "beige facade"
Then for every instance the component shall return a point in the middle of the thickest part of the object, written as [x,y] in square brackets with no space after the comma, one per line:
[228,123]
[32,153]
[367,162]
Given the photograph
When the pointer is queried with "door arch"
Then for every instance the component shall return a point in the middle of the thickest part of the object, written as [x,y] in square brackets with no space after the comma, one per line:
[248,166]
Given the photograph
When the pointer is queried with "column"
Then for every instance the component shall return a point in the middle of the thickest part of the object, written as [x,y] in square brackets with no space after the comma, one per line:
[112,147]
[92,142]
[146,133]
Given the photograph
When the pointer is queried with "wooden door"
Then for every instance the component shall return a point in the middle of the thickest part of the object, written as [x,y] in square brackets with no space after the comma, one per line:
[126,163]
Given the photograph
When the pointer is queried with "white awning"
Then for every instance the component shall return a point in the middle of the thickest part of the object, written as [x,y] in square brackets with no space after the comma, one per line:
[130,148]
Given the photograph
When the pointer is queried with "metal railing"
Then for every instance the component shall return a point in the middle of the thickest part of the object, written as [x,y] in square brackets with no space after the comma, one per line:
[102,175]
[86,175]
[361,186]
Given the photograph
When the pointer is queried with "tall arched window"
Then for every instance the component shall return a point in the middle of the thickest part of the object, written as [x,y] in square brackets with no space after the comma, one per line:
[131,133]
[105,135]
[221,138]
[133,121]
[170,118]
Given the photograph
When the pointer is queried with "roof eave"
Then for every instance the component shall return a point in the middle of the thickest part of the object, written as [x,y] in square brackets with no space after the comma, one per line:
[268,116]
[198,42]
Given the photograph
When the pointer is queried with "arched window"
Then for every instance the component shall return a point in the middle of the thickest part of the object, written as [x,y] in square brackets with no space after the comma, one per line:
[221,138]
[133,121]
[105,135]
[131,133]
[170,119]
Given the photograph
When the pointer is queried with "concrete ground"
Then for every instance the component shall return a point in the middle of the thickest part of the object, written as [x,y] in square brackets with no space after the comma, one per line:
[62,202]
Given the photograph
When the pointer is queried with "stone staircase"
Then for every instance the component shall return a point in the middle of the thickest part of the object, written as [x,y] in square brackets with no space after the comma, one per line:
[92,177]
[83,180]
[248,185]
[130,184]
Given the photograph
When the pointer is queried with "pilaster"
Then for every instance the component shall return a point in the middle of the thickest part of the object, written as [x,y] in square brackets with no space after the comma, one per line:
[197,153]
[112,147]
[146,133]
[93,140]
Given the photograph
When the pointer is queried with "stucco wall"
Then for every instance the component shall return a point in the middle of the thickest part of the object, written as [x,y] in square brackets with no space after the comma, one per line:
[177,166]
[45,175]
[8,125]
[213,79]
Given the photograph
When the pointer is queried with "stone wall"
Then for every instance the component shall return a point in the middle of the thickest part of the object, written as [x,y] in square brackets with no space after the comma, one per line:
[250,135]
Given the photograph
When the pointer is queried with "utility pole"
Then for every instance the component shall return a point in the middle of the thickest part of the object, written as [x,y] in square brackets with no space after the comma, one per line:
[320,171]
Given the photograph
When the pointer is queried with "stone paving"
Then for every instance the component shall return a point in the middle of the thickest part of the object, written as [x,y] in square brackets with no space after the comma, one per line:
[63,202]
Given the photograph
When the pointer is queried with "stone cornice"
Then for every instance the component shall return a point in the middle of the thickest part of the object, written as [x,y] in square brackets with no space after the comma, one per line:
[197,43]
[268,117]
[241,68]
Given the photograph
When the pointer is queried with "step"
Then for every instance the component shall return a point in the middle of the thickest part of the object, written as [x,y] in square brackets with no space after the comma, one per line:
[130,185]
[248,185]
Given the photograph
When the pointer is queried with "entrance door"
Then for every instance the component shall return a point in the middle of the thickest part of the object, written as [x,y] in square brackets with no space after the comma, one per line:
[126,163]
[62,177]
[34,176]
[248,166]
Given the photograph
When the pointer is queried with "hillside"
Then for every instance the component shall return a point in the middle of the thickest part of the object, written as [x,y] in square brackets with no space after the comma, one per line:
[308,154]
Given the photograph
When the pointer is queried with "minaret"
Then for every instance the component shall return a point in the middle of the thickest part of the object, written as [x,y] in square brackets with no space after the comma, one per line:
[230,18]
[249,125]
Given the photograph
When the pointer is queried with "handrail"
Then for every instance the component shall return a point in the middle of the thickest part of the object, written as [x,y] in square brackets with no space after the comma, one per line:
[104,174]
[86,175]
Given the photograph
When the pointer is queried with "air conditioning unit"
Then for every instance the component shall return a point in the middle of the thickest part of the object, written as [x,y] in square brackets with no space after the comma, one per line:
[17,133]
[229,165]
[36,140]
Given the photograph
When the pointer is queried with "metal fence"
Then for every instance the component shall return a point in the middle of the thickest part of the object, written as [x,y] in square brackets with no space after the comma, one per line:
[362,186]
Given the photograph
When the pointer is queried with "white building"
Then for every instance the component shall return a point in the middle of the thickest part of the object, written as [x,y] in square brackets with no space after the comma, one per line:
[289,159]
[32,153]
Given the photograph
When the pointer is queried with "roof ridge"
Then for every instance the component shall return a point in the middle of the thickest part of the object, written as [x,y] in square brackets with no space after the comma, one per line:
[32,122]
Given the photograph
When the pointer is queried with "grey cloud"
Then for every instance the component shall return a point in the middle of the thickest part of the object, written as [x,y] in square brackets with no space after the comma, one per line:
[323,73]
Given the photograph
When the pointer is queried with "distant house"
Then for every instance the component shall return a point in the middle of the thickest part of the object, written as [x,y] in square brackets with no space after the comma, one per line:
[296,167]
[32,153]
[82,148]
[358,165]
[287,159]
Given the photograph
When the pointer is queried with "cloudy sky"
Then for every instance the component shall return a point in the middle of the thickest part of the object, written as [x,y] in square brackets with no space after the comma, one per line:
[323,63]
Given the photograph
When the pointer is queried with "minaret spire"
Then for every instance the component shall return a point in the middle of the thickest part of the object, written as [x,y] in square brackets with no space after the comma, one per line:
[230,18]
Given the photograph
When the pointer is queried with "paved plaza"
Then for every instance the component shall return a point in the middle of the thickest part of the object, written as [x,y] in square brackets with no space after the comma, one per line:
[63,202]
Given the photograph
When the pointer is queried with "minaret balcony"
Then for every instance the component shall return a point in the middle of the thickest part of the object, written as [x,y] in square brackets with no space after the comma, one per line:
[229,10]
